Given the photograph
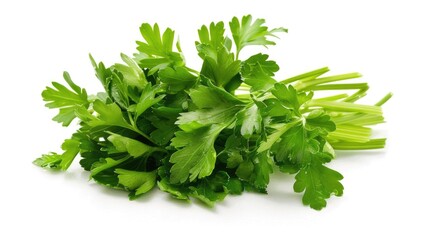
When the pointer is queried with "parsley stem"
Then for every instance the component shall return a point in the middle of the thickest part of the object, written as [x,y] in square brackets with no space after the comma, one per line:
[371,144]
[357,95]
[333,98]
[345,86]
[384,100]
[350,133]
[308,75]
[303,85]
[134,128]
[244,96]
[361,119]
[143,134]
[344,106]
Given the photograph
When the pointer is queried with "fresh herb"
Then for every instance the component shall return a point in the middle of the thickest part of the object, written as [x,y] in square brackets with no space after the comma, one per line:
[218,131]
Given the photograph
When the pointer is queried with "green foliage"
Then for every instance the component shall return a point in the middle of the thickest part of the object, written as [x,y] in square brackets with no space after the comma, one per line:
[223,130]
[248,32]
[65,99]
[137,183]
[156,52]
[60,161]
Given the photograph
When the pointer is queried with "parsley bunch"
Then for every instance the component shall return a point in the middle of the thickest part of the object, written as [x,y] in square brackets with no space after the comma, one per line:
[218,131]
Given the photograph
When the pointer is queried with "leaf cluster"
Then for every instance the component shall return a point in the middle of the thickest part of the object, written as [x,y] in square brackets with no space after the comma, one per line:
[207,133]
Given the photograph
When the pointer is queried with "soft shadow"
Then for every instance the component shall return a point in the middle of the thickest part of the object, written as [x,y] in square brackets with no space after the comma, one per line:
[145,198]
[177,202]
[344,154]
[284,196]
[280,188]
[69,174]
[111,192]
[49,171]
[148,196]
[204,206]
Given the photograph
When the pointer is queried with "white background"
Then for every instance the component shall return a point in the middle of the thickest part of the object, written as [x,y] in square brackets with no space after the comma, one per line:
[386,192]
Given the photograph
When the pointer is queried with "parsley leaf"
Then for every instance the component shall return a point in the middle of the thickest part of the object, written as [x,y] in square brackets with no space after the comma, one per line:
[177,79]
[136,182]
[257,71]
[91,151]
[157,51]
[219,64]
[290,98]
[218,109]
[318,182]
[105,164]
[177,191]
[133,147]
[212,39]
[250,120]
[211,189]
[63,161]
[196,155]
[132,74]
[247,32]
[146,100]
[65,99]
[222,68]
[263,167]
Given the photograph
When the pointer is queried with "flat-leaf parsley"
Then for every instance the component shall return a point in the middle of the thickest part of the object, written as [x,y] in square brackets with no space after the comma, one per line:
[218,131]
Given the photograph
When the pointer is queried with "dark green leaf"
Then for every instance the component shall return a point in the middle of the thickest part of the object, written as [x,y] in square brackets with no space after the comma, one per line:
[131,146]
[263,167]
[177,191]
[211,189]
[235,186]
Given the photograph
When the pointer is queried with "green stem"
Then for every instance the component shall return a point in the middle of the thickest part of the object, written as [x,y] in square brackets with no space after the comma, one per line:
[357,95]
[333,98]
[345,106]
[302,85]
[350,133]
[384,99]
[346,86]
[361,119]
[134,128]
[307,76]
[237,50]
[371,144]
[244,87]
[244,96]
